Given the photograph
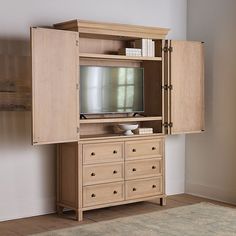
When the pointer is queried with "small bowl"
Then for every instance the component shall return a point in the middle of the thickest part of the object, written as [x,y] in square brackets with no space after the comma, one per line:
[127,128]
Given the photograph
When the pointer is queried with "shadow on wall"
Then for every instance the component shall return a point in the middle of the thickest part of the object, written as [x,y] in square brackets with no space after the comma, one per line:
[15,91]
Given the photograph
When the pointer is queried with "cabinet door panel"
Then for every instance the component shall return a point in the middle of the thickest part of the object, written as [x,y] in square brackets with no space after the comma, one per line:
[187,78]
[54,93]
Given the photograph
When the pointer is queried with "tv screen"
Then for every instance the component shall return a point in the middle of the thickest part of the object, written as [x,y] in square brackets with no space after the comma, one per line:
[111,89]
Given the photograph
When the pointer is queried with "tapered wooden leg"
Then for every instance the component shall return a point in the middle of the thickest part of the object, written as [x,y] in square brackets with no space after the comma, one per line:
[60,210]
[79,215]
[163,201]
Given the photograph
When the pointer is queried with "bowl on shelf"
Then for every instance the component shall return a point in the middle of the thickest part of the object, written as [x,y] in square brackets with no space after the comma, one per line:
[127,128]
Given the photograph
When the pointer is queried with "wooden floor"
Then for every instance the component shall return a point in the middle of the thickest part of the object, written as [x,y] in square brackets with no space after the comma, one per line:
[44,223]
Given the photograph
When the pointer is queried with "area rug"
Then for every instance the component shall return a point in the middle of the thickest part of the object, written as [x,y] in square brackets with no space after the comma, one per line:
[202,219]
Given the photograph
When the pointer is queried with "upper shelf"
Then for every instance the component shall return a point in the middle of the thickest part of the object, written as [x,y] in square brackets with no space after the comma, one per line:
[119,119]
[118,57]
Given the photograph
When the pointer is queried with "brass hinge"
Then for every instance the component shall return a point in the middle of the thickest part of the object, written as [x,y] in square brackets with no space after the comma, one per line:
[166,124]
[77,86]
[77,43]
[77,129]
[166,87]
[168,49]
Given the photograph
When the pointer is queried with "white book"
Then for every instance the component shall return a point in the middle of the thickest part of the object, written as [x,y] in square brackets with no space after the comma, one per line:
[153,48]
[142,44]
[149,47]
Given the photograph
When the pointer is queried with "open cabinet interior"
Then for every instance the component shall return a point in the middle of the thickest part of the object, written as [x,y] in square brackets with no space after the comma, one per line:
[103,51]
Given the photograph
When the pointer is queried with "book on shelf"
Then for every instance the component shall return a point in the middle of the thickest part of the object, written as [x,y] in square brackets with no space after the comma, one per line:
[147,46]
[137,52]
[144,131]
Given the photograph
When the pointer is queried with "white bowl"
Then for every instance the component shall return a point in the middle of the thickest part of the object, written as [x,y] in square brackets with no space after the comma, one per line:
[127,128]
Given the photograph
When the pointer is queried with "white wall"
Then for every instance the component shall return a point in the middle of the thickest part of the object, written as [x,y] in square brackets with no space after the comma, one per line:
[27,174]
[210,157]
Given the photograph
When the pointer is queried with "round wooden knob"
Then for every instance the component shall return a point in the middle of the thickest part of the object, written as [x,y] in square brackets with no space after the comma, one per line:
[153,148]
[134,189]
[93,195]
[134,169]
[153,167]
[93,174]
[134,150]
[115,172]
[114,152]
[93,154]
[115,192]
[154,186]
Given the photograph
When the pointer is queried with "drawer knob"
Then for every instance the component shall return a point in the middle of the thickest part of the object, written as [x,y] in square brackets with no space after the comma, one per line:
[134,150]
[93,195]
[93,154]
[154,186]
[115,172]
[115,192]
[153,148]
[114,152]
[134,169]
[134,189]
[93,174]
[153,167]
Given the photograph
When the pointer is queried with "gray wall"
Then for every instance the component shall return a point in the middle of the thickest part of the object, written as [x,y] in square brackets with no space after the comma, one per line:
[27,174]
[210,157]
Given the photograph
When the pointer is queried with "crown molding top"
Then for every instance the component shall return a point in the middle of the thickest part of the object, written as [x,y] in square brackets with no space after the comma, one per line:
[113,29]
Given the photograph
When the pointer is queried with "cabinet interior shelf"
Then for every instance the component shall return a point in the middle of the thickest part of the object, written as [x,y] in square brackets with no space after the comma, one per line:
[119,57]
[116,136]
[120,119]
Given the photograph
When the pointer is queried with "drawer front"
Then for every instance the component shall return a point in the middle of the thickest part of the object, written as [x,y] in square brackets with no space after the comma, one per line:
[143,168]
[105,173]
[143,149]
[143,188]
[102,152]
[103,193]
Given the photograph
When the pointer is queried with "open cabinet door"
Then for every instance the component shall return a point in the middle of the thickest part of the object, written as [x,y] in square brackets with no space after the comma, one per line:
[54,85]
[186,87]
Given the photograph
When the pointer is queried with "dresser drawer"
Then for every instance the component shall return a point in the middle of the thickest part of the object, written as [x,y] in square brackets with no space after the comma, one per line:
[143,149]
[143,168]
[102,152]
[103,173]
[103,193]
[143,188]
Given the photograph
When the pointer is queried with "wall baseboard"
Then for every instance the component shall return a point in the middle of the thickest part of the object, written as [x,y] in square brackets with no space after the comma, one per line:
[211,192]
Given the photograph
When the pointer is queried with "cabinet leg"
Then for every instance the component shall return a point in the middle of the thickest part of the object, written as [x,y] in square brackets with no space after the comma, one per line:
[79,215]
[163,201]
[60,210]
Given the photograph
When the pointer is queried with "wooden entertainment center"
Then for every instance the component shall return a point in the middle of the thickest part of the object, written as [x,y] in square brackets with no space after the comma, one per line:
[98,166]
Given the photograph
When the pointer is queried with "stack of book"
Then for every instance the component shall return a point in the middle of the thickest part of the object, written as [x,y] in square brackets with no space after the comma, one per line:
[147,46]
[144,131]
[136,52]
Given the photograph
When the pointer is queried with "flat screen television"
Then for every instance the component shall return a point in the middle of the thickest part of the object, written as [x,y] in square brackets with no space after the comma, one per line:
[105,89]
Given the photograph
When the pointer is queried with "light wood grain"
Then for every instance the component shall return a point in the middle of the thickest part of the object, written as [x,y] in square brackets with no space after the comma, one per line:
[143,188]
[119,119]
[187,78]
[103,173]
[54,93]
[103,193]
[143,168]
[119,57]
[143,149]
[67,191]
[103,152]
[94,29]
